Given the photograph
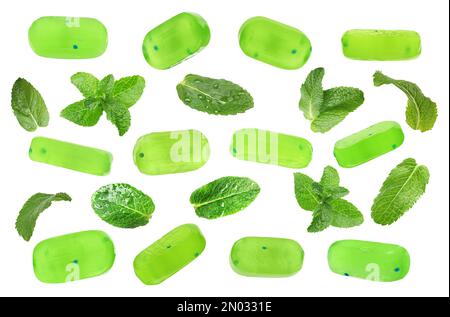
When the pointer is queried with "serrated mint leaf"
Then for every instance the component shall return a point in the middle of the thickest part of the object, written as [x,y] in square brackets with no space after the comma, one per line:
[337,104]
[331,194]
[119,115]
[326,109]
[106,86]
[28,106]
[35,205]
[330,177]
[322,218]
[348,97]
[305,194]
[345,214]
[85,113]
[214,96]
[128,90]
[400,191]
[312,94]
[421,111]
[86,83]
[330,188]
[123,206]
[224,196]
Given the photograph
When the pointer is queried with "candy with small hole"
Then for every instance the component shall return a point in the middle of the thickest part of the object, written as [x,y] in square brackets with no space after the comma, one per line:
[71,156]
[169,254]
[266,257]
[68,38]
[274,43]
[273,148]
[381,45]
[73,257]
[176,40]
[369,260]
[171,152]
[368,144]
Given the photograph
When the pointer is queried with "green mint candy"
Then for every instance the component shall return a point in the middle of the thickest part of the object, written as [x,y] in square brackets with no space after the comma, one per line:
[368,144]
[73,257]
[271,148]
[274,43]
[169,254]
[372,261]
[266,257]
[381,45]
[176,40]
[71,156]
[68,38]
[171,152]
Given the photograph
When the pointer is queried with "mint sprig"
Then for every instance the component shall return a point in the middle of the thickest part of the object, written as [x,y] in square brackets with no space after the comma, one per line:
[327,108]
[106,95]
[324,199]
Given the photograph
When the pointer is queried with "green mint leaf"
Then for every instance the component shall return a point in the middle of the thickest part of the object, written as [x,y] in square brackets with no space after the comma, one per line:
[331,194]
[28,106]
[119,115]
[400,191]
[123,206]
[330,177]
[322,218]
[306,195]
[127,91]
[214,96]
[35,205]
[85,113]
[224,196]
[86,83]
[312,94]
[105,87]
[337,104]
[318,189]
[421,111]
[330,185]
[345,214]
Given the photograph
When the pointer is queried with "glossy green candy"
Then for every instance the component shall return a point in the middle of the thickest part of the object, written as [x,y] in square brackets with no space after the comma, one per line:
[381,45]
[176,40]
[369,260]
[171,152]
[71,156]
[73,257]
[368,144]
[274,43]
[266,257]
[271,148]
[169,254]
[68,38]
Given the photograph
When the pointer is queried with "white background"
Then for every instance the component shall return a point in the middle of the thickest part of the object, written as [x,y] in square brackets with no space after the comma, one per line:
[424,231]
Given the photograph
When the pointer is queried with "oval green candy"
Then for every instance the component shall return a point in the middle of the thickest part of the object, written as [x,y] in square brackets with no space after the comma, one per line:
[369,260]
[171,152]
[68,38]
[271,148]
[71,156]
[274,43]
[381,45]
[368,144]
[176,40]
[169,254]
[73,257]
[266,257]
